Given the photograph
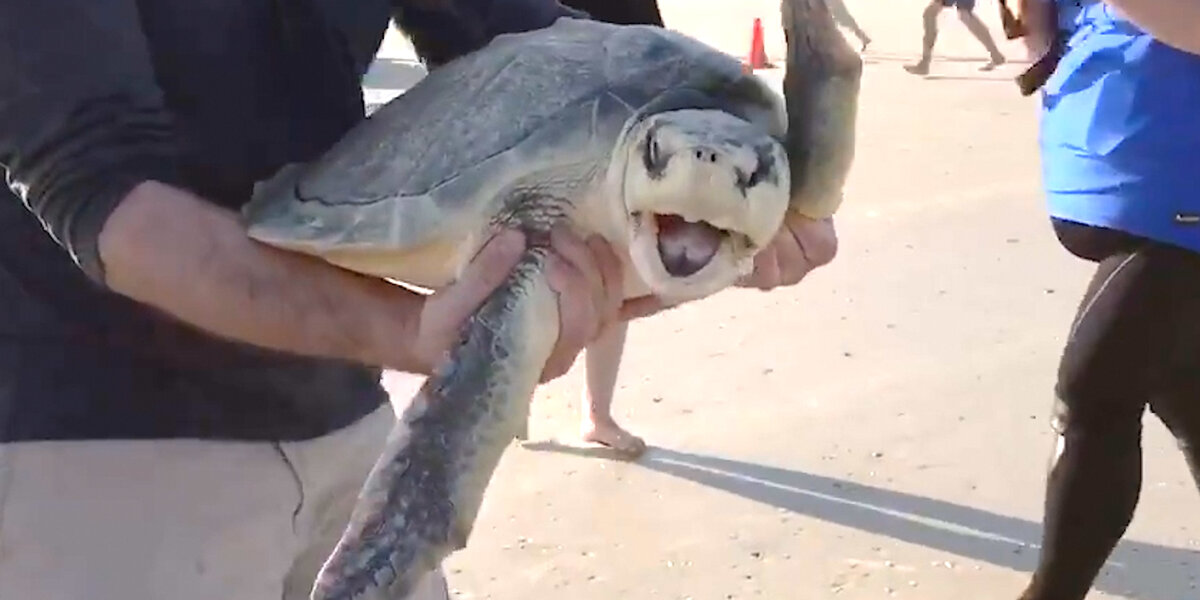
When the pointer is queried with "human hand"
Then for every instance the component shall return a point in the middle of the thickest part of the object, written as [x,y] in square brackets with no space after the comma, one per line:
[446,311]
[801,245]
[586,276]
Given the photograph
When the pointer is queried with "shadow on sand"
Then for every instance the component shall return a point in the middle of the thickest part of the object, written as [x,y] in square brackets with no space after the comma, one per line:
[981,77]
[1137,569]
[871,57]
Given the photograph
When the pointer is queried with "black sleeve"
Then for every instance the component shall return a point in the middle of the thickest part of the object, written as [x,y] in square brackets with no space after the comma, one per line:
[442,30]
[620,12]
[82,120]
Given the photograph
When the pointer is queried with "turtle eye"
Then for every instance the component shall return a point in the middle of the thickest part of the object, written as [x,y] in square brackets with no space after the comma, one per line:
[652,155]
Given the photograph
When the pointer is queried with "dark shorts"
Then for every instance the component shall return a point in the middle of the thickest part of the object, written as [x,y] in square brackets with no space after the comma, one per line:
[959,4]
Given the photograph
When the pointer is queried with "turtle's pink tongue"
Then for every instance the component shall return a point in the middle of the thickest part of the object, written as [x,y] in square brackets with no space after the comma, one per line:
[685,247]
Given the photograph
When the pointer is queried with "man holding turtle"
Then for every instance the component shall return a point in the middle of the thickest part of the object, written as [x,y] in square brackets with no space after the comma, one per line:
[185,413]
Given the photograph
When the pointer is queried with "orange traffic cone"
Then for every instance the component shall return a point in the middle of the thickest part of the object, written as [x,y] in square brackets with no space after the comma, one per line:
[757,58]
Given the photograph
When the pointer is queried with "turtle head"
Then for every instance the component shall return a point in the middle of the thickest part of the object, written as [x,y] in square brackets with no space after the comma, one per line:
[703,192]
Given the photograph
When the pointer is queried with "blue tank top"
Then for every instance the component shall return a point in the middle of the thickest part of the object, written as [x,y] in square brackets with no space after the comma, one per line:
[1120,129]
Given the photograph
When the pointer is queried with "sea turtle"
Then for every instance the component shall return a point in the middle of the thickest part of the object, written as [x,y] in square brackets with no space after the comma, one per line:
[669,148]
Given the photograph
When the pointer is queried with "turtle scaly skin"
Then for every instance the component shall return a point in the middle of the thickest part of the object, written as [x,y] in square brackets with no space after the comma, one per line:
[821,89]
[422,497]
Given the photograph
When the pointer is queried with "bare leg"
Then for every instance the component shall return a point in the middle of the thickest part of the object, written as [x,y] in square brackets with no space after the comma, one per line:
[841,14]
[929,20]
[981,33]
[603,362]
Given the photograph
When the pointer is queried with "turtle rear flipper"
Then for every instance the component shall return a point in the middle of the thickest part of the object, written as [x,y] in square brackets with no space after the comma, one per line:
[820,89]
[421,499]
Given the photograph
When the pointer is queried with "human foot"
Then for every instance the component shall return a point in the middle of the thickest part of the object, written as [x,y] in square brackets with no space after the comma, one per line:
[608,433]
[995,62]
[921,68]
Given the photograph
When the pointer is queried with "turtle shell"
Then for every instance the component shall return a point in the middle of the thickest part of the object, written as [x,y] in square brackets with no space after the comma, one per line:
[438,157]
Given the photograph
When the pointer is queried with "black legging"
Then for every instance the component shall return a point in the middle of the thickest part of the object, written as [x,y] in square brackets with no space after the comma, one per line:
[1135,343]
[620,12]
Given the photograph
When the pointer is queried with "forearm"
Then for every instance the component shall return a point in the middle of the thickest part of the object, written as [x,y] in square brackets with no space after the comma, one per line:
[173,251]
[1173,22]
[83,126]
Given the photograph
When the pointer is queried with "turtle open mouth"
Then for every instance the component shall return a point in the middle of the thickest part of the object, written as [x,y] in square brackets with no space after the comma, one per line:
[685,245]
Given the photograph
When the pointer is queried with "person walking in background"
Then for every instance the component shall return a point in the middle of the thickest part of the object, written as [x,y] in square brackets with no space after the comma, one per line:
[1120,134]
[966,14]
[841,14]
[602,359]
[805,244]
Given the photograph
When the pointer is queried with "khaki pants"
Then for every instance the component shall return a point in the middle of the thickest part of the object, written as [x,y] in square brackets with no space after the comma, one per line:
[180,519]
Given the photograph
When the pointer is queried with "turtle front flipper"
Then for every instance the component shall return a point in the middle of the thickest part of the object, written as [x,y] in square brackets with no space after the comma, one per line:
[820,91]
[420,500]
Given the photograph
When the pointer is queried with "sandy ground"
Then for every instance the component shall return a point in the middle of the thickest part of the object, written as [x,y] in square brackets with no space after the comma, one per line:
[877,432]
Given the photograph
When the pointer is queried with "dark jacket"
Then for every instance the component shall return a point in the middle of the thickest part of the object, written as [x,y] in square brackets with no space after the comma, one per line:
[208,95]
